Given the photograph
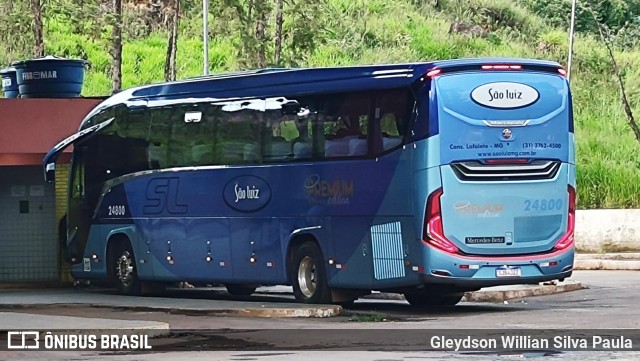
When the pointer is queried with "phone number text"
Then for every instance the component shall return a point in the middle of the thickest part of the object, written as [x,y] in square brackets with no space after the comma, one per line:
[541,145]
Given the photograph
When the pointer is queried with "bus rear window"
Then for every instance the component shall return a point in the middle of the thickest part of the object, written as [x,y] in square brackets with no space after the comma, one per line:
[500,95]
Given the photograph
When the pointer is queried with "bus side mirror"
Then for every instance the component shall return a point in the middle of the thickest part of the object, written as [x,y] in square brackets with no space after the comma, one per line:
[50,172]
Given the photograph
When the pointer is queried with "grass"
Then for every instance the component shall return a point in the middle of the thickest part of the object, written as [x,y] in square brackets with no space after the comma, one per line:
[368,317]
[387,31]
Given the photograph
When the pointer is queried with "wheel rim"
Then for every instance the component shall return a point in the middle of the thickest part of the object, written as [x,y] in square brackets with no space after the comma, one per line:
[307,276]
[124,268]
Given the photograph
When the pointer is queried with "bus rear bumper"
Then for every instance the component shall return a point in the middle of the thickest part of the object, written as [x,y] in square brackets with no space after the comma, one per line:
[485,271]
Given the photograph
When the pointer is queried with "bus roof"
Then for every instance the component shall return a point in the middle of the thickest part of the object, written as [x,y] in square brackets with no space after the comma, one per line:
[444,64]
[291,81]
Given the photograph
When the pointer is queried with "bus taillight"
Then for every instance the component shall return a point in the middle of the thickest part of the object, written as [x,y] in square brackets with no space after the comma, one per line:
[502,67]
[433,232]
[434,73]
[567,239]
[507,161]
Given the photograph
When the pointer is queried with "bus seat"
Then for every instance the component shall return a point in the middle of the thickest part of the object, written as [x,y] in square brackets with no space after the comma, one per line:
[349,138]
[302,150]
[357,147]
[251,152]
[391,142]
[203,154]
[157,155]
[279,151]
[336,148]
[232,152]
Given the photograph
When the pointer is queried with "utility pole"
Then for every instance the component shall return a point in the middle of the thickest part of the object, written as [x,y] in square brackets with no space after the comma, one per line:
[571,31]
[205,35]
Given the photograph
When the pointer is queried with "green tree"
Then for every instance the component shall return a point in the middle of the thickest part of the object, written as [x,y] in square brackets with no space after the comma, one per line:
[16,30]
[294,35]
[116,47]
[172,47]
[619,17]
[304,29]
[38,28]
[279,22]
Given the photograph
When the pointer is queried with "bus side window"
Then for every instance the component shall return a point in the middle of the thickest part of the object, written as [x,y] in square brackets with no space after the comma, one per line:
[203,145]
[77,183]
[158,138]
[238,134]
[303,144]
[279,137]
[392,111]
[346,115]
[359,146]
[179,141]
[390,135]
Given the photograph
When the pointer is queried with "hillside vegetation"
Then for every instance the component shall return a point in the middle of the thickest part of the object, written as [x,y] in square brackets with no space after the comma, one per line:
[344,32]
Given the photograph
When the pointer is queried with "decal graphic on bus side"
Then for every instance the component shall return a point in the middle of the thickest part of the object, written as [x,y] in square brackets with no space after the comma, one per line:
[247,193]
[504,95]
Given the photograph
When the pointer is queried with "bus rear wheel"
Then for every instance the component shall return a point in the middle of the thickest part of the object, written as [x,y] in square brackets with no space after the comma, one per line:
[431,298]
[240,290]
[124,270]
[308,275]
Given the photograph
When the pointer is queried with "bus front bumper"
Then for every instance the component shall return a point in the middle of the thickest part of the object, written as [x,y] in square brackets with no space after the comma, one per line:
[485,271]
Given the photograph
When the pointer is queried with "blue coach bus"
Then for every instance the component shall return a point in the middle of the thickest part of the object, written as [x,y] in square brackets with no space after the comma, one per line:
[426,179]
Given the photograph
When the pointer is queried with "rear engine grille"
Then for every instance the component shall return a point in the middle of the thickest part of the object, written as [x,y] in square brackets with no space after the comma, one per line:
[536,170]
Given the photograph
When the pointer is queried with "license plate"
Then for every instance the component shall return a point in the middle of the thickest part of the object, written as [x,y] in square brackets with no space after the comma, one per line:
[508,272]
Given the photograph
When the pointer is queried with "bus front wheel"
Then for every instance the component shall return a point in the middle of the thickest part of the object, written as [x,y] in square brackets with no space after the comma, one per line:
[429,297]
[309,276]
[124,270]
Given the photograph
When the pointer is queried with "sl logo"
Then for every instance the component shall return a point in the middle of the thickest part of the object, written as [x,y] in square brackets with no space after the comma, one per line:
[162,195]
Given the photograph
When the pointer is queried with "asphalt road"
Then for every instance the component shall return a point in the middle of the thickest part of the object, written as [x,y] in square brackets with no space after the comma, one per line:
[374,326]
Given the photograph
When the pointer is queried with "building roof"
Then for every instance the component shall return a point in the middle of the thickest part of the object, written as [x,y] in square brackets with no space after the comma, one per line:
[29,128]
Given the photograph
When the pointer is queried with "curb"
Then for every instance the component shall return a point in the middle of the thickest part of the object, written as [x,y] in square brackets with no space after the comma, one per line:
[499,295]
[321,311]
[316,312]
[609,256]
[541,290]
[606,264]
[629,261]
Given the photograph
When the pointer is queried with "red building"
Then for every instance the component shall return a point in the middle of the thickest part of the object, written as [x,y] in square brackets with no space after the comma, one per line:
[29,207]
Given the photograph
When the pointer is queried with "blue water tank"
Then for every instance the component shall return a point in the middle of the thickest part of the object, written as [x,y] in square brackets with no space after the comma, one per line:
[50,77]
[9,83]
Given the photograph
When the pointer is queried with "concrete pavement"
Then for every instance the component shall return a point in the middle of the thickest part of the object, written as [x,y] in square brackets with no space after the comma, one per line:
[16,321]
[202,301]
[503,293]
[608,304]
[271,301]
[583,261]
[267,302]
[190,302]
